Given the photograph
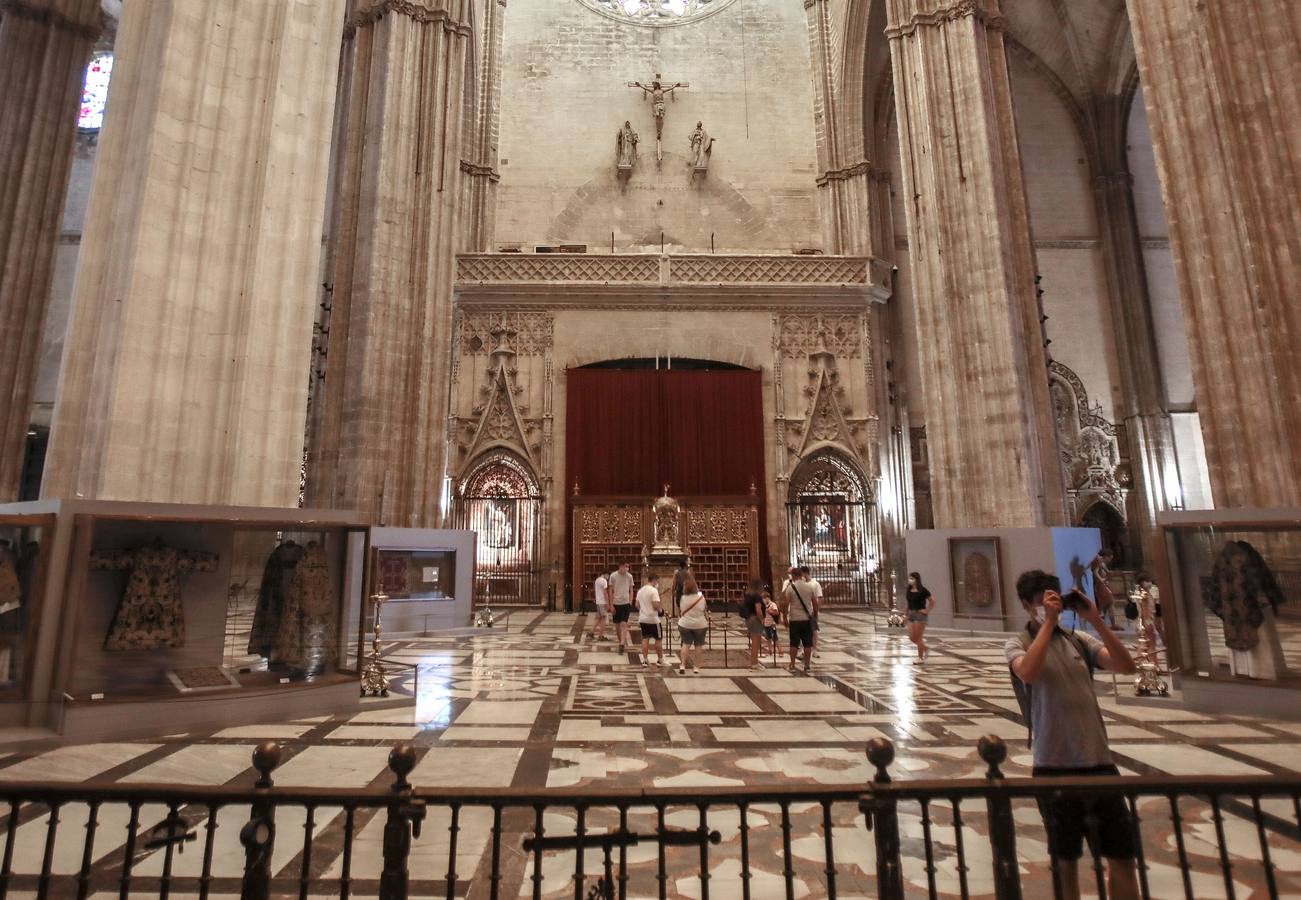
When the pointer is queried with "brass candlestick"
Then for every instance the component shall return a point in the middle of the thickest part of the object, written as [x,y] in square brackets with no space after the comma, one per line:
[374,680]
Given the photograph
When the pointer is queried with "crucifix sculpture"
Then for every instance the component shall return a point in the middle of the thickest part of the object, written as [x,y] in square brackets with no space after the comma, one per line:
[657,90]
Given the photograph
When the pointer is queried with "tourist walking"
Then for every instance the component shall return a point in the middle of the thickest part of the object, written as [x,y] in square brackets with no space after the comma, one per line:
[771,615]
[799,608]
[753,607]
[648,619]
[601,589]
[621,600]
[816,587]
[693,622]
[920,604]
[1052,673]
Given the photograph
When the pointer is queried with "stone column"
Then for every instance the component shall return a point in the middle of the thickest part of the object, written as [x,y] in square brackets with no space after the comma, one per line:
[989,423]
[837,50]
[185,369]
[1142,406]
[378,429]
[479,165]
[44,48]
[1220,82]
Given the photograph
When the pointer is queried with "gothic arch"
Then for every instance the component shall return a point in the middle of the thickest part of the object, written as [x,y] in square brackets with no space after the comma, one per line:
[833,526]
[500,499]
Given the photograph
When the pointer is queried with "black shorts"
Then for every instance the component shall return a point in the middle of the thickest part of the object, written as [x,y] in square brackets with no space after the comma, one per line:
[1066,819]
[622,612]
[801,634]
[650,631]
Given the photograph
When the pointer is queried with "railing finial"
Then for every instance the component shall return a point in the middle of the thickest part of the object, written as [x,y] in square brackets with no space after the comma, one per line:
[266,756]
[994,752]
[401,760]
[880,753]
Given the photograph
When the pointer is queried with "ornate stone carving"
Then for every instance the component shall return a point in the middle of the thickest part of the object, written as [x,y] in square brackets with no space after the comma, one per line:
[556,267]
[769,269]
[1090,451]
[426,12]
[610,524]
[961,10]
[797,335]
[532,332]
[702,145]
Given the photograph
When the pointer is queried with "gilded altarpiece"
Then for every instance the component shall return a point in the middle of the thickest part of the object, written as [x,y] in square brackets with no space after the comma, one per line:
[722,541]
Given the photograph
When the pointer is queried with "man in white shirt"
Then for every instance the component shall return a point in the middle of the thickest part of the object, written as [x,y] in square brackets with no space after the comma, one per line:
[620,593]
[816,587]
[648,619]
[602,589]
[799,609]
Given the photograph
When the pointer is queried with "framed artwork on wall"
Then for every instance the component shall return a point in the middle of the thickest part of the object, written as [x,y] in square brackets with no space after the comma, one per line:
[977,576]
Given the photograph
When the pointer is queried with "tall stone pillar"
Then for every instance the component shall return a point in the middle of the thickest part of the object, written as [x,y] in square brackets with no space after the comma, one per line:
[1142,406]
[837,48]
[44,48]
[185,368]
[989,422]
[378,426]
[479,165]
[1220,82]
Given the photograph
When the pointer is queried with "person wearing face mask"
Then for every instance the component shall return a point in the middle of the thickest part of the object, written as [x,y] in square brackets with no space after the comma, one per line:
[1052,673]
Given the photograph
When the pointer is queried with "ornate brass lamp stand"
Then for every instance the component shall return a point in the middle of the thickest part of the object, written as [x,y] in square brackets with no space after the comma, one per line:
[374,680]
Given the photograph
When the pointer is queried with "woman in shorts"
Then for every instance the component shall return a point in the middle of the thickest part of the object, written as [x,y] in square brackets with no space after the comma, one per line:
[920,604]
[693,622]
[752,610]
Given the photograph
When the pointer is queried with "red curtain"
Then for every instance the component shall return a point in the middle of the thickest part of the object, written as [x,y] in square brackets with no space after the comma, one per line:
[630,432]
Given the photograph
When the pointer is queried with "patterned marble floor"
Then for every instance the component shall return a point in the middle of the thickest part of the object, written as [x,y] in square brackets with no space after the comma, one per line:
[535,705]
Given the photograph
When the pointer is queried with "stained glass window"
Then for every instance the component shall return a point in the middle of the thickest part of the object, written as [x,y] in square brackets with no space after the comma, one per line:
[94,91]
[657,12]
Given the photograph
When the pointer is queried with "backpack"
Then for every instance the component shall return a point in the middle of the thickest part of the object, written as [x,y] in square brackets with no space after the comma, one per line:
[1022,690]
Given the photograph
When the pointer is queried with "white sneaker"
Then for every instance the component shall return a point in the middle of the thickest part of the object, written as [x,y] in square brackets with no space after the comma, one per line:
[758,667]
[695,671]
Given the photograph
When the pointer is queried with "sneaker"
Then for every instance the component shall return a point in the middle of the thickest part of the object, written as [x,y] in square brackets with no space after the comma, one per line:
[620,648]
[758,667]
[681,671]
[645,664]
[808,670]
[791,668]
[695,671]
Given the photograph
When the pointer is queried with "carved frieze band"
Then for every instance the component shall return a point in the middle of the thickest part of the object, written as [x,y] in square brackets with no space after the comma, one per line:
[367,15]
[719,525]
[963,9]
[44,15]
[611,525]
[511,268]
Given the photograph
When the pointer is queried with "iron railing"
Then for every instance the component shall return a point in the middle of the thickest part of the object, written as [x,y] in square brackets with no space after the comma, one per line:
[784,840]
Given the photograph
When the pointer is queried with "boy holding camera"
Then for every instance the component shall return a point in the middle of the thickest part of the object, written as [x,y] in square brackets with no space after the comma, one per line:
[1052,672]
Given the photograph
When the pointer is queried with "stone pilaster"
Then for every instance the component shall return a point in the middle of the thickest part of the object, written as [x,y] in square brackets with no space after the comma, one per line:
[993,453]
[378,431]
[1141,406]
[44,48]
[1219,80]
[478,214]
[844,172]
[185,368]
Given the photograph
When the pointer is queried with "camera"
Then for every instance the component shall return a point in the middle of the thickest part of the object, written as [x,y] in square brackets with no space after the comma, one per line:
[1076,601]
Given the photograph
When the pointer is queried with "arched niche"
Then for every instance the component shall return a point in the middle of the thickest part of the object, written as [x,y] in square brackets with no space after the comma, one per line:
[500,499]
[833,526]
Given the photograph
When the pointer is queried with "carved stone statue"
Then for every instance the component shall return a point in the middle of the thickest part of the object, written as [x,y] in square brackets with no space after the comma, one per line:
[658,90]
[668,518]
[626,146]
[701,146]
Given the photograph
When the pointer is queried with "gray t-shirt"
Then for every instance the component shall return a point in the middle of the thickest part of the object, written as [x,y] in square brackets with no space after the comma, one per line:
[1068,732]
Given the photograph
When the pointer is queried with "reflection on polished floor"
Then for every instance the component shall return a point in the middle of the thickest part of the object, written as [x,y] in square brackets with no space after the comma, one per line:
[536,705]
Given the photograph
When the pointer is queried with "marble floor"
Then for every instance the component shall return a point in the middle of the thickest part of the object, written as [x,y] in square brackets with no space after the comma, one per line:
[537,706]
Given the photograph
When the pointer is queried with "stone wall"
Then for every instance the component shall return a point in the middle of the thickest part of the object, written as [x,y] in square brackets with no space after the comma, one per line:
[564,98]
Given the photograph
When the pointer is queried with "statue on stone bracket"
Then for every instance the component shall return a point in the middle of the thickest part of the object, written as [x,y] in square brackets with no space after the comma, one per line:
[625,149]
[702,145]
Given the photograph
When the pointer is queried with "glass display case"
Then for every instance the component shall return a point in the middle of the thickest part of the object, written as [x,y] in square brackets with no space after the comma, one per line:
[1233,579]
[426,576]
[159,613]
